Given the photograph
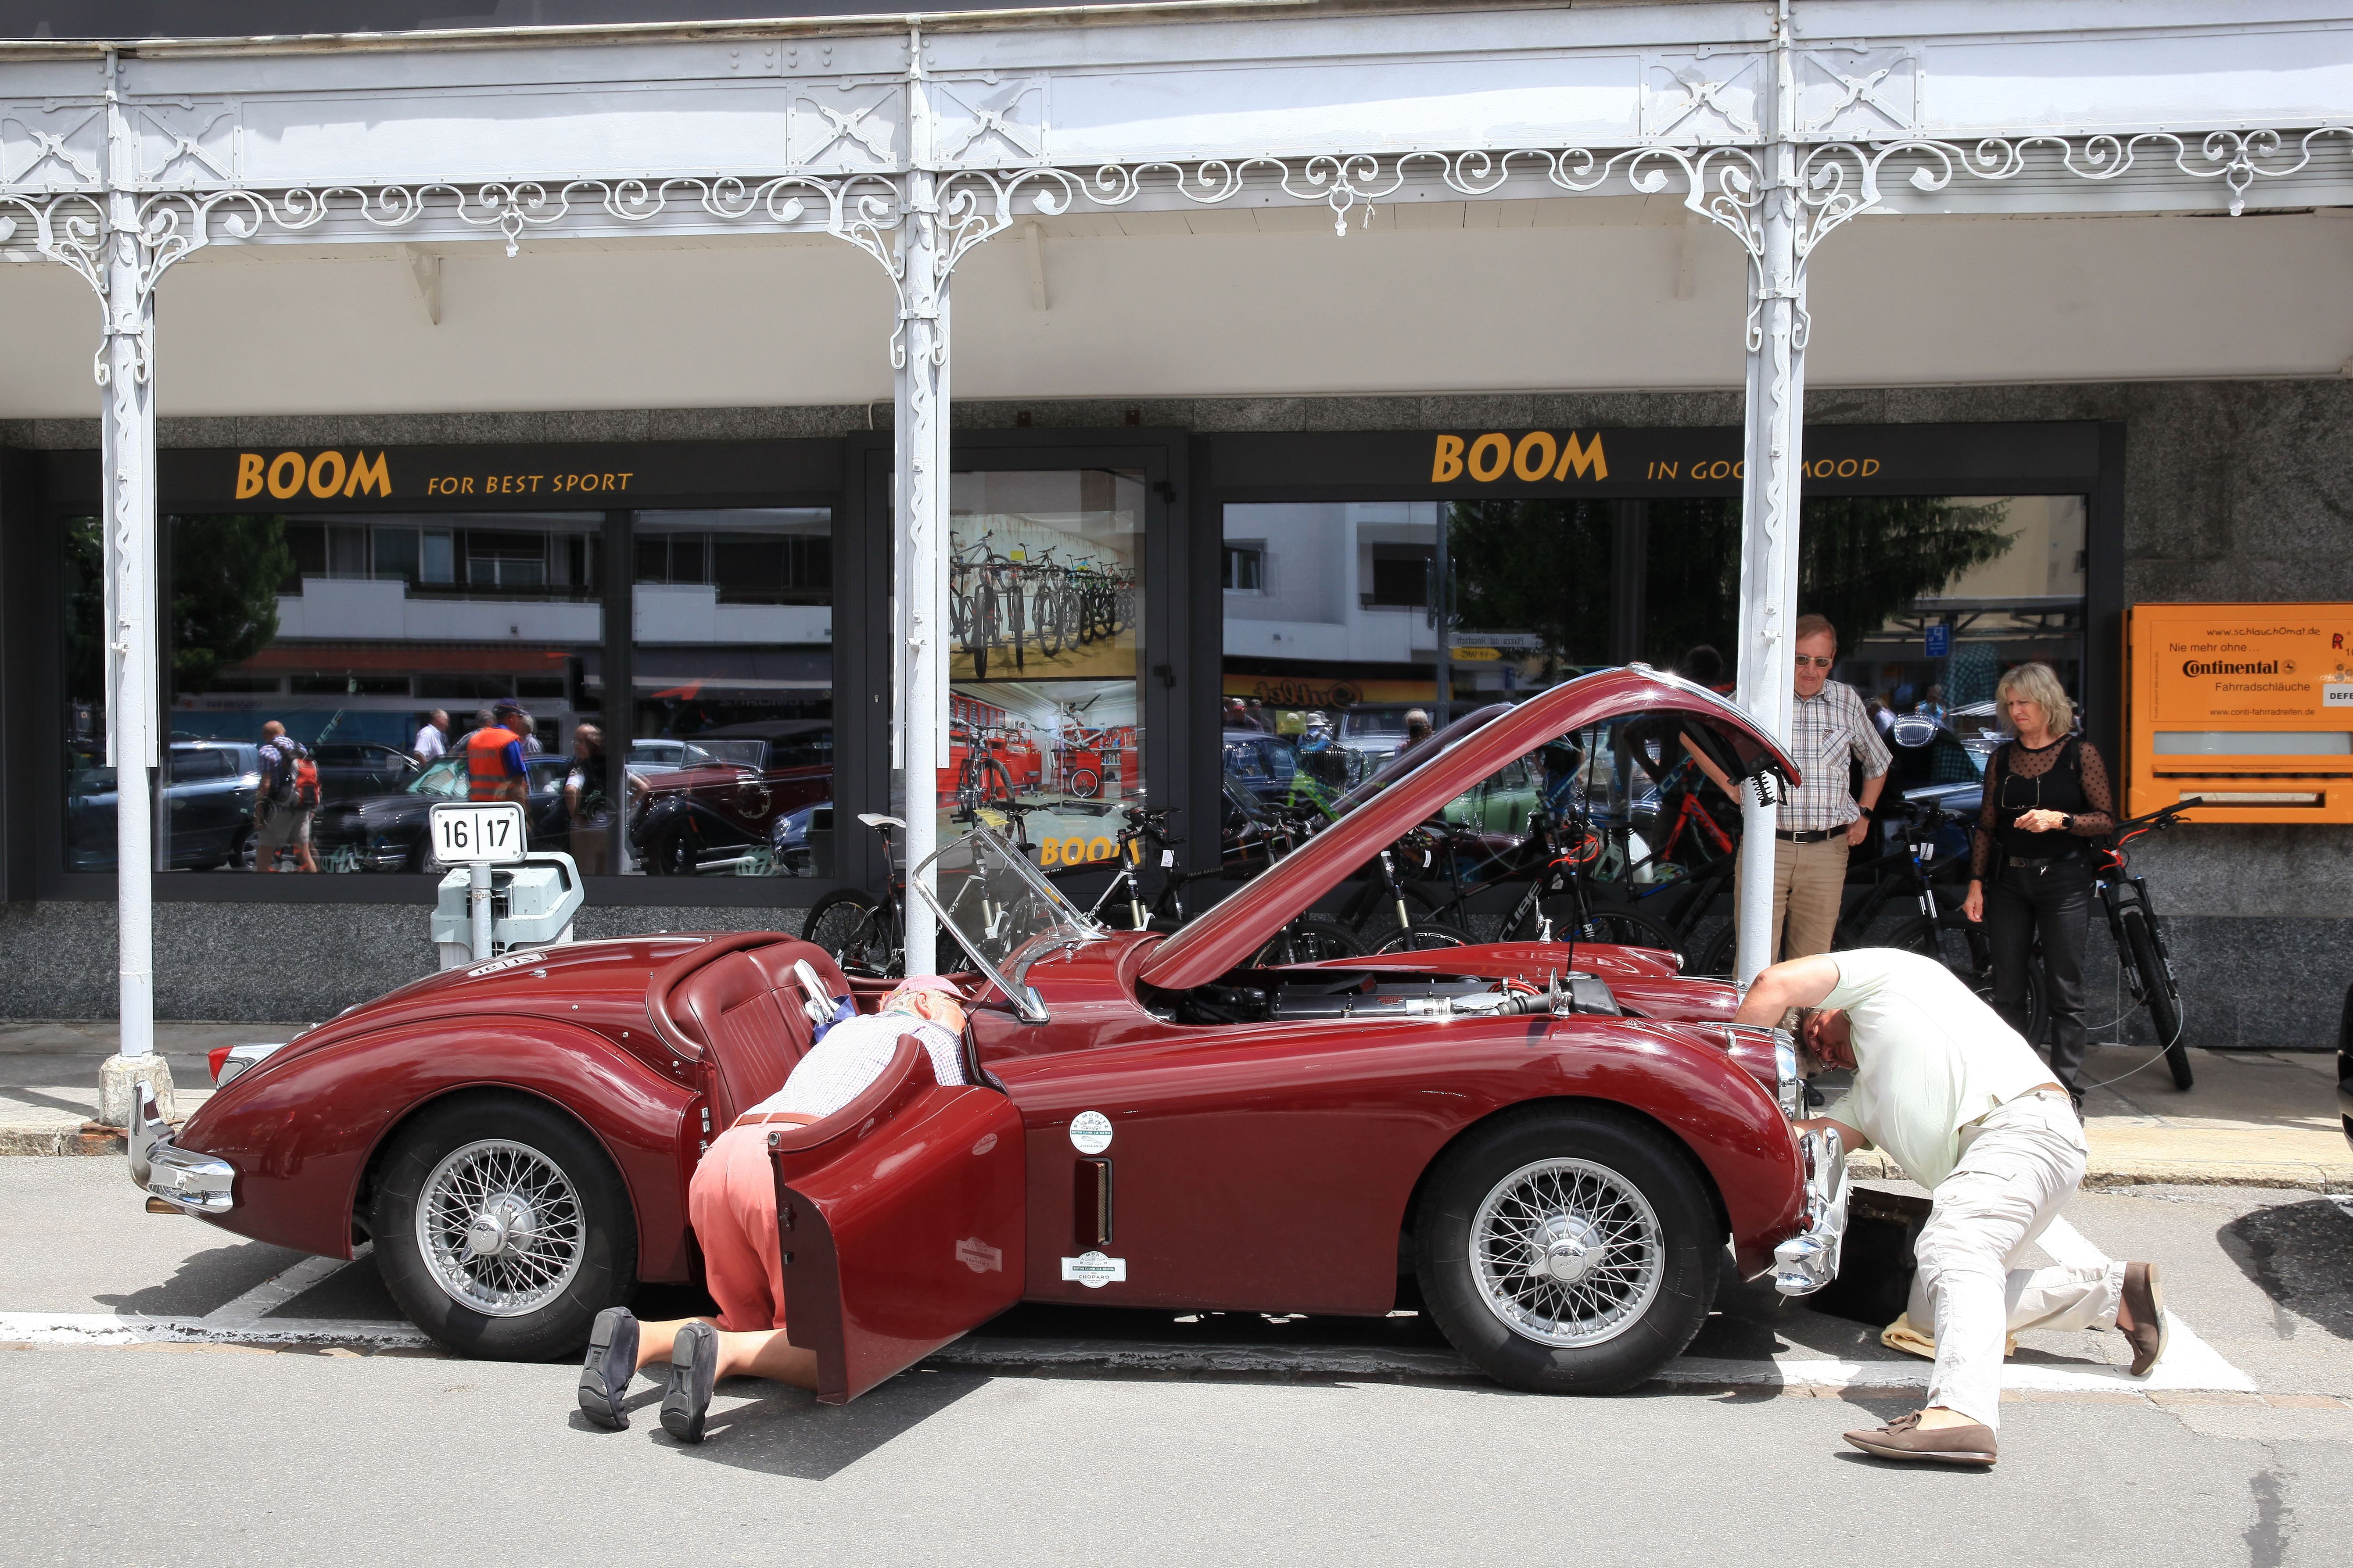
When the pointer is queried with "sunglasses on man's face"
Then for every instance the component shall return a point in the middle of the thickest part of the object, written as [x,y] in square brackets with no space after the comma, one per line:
[1805,659]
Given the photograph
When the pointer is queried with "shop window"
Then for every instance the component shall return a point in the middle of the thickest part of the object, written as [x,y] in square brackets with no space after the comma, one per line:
[1244,568]
[1045,621]
[1400,578]
[729,768]
[326,628]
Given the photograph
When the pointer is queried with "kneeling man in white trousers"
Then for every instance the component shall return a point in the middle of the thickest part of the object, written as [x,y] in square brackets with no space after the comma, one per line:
[1963,1104]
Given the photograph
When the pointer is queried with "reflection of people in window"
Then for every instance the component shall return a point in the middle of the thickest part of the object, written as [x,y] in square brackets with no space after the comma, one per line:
[587,805]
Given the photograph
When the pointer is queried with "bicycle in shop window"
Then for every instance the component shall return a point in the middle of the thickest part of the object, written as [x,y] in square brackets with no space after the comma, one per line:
[984,604]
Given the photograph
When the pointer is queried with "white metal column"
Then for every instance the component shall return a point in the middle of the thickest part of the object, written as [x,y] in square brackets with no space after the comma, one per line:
[128,453]
[1772,449]
[919,509]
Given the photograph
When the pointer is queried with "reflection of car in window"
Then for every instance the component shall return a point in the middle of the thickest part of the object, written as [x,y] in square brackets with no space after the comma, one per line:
[348,768]
[388,831]
[716,807]
[208,789]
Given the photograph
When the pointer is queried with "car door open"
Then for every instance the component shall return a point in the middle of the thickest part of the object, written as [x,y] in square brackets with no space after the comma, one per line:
[900,1223]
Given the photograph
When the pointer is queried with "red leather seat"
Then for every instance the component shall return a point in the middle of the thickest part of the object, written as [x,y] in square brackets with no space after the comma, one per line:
[745,1009]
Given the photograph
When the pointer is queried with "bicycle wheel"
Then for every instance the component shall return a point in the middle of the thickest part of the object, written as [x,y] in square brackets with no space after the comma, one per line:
[1424,936]
[1043,608]
[1953,939]
[1013,632]
[1375,919]
[2152,983]
[1310,939]
[861,935]
[1624,928]
[1085,782]
[980,628]
[1716,961]
[991,782]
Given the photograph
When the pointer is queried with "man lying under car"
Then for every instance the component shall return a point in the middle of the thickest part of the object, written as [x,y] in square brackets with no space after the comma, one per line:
[732,1205]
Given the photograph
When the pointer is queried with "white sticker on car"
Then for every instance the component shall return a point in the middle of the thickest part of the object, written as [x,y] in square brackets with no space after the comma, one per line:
[979,1256]
[1090,1133]
[1094,1271]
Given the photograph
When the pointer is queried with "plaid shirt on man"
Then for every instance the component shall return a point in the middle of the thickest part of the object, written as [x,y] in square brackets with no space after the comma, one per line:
[1826,731]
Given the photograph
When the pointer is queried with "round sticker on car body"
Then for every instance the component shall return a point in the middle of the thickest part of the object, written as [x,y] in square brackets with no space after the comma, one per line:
[1090,1133]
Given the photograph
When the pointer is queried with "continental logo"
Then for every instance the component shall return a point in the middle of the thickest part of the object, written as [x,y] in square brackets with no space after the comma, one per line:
[1538,455]
[2224,667]
[326,476]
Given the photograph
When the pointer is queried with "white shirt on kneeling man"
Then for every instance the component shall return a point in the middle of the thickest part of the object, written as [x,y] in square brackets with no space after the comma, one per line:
[849,1056]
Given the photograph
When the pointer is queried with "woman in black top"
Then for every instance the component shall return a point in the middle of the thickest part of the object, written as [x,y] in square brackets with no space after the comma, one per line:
[2046,796]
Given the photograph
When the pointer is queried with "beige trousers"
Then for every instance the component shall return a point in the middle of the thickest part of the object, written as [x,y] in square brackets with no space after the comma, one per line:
[2019,1167]
[1808,879]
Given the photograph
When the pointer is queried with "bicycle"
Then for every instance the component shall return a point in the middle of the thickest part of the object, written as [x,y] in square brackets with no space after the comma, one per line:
[981,778]
[1554,900]
[864,937]
[2141,952]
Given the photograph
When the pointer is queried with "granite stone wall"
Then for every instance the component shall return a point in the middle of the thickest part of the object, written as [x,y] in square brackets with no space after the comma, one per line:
[2235,490]
[253,963]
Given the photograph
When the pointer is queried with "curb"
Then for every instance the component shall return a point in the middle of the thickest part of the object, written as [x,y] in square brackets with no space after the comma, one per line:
[62,1138]
[2309,1175]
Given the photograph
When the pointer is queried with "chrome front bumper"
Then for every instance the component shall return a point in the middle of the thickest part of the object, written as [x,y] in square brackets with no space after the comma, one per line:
[1810,1260]
[180,1178]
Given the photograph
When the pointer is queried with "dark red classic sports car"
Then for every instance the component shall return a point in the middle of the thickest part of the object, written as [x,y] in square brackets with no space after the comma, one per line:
[1557,1142]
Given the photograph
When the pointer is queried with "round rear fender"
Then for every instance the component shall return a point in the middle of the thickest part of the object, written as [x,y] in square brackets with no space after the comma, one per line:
[306,1138]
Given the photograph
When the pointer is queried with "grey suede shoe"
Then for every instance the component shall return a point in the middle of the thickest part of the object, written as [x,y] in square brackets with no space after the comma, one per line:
[611,1364]
[693,1368]
[1905,1438]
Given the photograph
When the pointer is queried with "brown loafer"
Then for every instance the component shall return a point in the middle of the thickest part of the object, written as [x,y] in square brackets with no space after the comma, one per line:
[2140,1317]
[1905,1438]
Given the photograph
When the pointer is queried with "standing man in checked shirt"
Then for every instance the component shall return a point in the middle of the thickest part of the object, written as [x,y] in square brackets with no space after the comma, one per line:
[1828,728]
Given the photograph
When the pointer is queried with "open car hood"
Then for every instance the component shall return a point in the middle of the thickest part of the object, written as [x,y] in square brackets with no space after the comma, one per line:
[1230,933]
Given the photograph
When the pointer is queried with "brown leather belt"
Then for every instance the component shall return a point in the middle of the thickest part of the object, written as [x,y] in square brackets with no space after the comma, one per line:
[763,1117]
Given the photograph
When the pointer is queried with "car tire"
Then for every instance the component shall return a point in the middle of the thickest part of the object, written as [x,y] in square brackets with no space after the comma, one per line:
[574,1217]
[1598,1334]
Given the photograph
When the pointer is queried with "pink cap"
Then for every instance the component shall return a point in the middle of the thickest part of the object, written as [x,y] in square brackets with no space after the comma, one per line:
[939,983]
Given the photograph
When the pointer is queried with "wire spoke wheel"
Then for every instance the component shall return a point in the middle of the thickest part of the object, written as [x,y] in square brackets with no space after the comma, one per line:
[1567,1252]
[501,1227]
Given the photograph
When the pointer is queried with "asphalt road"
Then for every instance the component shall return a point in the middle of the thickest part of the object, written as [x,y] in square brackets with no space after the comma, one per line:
[1052,1439]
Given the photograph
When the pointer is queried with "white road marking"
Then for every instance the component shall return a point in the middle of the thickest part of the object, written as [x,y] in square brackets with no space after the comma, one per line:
[107,1329]
[276,1292]
[2189,1362]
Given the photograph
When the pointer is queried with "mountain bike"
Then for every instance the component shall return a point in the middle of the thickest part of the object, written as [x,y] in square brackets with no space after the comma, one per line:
[2141,952]
[981,778]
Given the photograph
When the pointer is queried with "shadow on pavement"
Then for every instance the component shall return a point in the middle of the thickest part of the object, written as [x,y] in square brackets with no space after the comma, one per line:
[785,1432]
[2300,1256]
[207,1281]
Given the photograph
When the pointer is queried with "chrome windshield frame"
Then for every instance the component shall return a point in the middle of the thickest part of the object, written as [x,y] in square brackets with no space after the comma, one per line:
[1071,926]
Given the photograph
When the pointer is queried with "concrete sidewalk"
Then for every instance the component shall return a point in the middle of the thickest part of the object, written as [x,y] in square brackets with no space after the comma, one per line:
[49,1077]
[2253,1118]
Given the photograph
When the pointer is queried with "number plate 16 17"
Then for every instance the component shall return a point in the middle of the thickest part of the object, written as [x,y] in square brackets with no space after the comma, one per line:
[465,832]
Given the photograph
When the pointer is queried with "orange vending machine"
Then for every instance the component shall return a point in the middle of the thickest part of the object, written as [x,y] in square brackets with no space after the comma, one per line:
[2247,707]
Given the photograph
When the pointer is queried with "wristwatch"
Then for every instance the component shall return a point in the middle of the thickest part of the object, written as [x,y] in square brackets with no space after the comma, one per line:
[2067,821]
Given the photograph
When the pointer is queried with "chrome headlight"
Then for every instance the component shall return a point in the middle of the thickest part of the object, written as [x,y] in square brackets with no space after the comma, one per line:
[1789,1084]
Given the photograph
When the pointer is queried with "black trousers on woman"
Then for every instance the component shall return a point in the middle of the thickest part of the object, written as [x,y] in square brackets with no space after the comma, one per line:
[2051,899]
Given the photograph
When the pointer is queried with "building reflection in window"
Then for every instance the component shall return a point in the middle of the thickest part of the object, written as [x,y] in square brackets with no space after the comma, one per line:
[376,645]
[729,769]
